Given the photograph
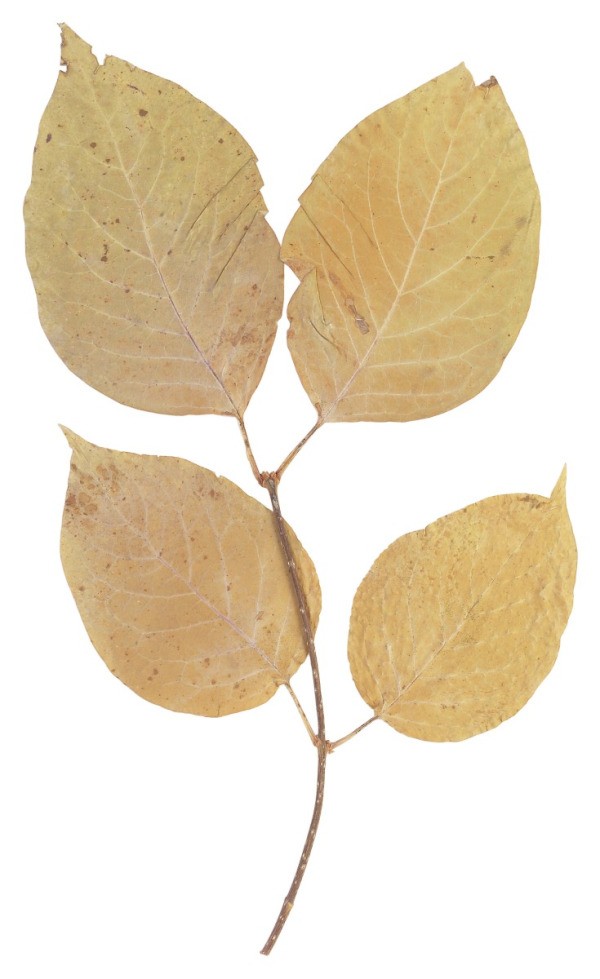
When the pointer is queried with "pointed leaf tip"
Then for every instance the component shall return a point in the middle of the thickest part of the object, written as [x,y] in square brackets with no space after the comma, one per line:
[76,442]
[74,50]
[68,434]
[559,493]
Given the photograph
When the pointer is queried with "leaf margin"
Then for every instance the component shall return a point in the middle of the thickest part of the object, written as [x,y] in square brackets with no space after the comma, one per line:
[446,729]
[213,485]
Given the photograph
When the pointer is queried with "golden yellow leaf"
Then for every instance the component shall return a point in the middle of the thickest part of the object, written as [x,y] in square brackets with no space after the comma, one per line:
[158,279]
[417,246]
[456,625]
[180,582]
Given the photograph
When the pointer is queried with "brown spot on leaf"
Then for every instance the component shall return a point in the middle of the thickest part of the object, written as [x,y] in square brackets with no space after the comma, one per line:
[535,501]
[363,326]
[143,112]
[48,137]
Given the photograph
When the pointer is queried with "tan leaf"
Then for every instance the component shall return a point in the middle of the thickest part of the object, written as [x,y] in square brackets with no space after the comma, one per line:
[158,279]
[417,246]
[180,582]
[455,626]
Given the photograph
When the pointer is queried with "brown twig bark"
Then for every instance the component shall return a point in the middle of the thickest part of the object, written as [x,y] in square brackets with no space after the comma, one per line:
[303,717]
[269,481]
[332,745]
[324,747]
[292,455]
[249,452]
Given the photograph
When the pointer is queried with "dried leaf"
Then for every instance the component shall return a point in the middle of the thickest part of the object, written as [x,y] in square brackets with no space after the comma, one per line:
[455,626]
[158,279]
[180,582]
[417,246]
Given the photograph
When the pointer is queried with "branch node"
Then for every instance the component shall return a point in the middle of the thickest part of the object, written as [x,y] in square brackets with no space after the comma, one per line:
[265,478]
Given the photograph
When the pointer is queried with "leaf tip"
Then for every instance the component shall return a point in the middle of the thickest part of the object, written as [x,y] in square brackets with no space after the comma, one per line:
[559,493]
[74,50]
[76,442]
[68,434]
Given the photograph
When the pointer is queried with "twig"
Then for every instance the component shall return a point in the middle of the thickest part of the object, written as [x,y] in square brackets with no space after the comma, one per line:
[269,480]
[292,455]
[249,452]
[305,720]
[332,745]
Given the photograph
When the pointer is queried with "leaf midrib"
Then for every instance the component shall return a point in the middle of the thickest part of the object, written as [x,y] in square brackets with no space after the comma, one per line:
[466,617]
[185,329]
[400,293]
[251,642]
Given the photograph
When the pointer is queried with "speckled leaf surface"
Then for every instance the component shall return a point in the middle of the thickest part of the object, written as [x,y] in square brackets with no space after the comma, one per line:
[456,625]
[158,278]
[180,582]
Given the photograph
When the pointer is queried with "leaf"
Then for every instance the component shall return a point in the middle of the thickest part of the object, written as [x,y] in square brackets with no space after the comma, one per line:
[158,279]
[417,246]
[180,582]
[455,626]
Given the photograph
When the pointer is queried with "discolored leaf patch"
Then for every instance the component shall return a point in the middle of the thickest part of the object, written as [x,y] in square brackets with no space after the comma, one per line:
[456,625]
[158,278]
[417,247]
[180,582]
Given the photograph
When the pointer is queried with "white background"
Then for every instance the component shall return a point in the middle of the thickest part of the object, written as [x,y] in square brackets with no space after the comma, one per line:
[142,843]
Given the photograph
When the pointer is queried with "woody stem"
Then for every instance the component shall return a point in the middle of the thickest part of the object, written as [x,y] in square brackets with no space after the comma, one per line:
[270,483]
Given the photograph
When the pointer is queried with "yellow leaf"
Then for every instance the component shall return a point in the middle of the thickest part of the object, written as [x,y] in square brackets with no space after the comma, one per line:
[158,279]
[455,626]
[180,582]
[417,246]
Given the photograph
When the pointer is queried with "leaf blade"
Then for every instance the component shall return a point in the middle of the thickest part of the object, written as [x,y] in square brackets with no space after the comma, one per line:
[158,278]
[416,246]
[456,625]
[179,580]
